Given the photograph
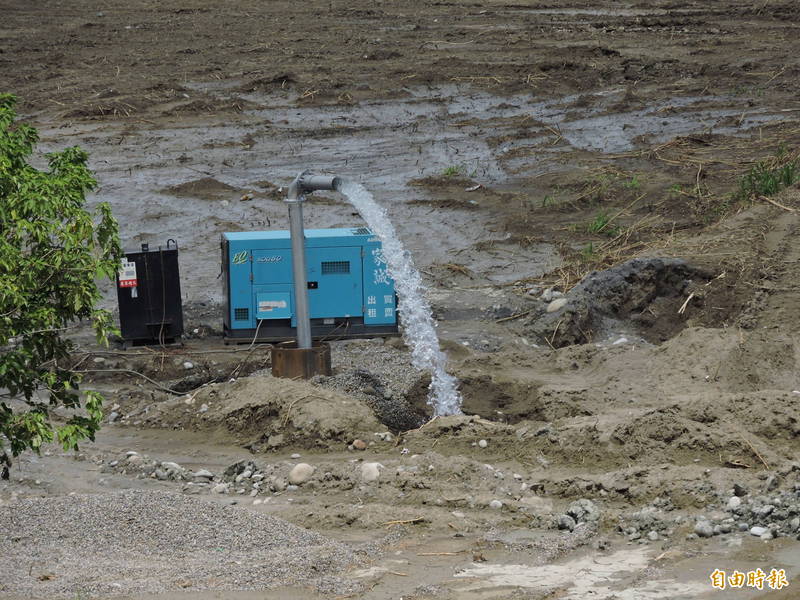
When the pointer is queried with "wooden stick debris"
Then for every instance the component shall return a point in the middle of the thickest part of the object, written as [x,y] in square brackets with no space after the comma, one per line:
[404,521]
[761,458]
[682,309]
[778,204]
[512,317]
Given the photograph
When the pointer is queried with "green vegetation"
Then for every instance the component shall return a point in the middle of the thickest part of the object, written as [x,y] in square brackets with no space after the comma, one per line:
[599,223]
[454,171]
[633,183]
[52,252]
[588,252]
[769,177]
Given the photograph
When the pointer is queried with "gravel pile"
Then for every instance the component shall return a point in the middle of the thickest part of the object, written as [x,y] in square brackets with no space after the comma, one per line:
[379,374]
[150,542]
[768,516]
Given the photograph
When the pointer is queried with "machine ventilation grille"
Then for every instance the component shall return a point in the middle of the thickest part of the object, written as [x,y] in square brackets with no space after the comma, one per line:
[362,231]
[336,267]
[241,314]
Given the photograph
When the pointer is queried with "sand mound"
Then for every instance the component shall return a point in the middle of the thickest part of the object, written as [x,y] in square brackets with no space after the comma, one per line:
[266,412]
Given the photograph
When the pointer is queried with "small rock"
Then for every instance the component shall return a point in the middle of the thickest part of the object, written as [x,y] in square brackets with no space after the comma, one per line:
[739,490]
[765,510]
[652,536]
[359,444]
[547,295]
[482,443]
[295,455]
[566,522]
[458,514]
[556,304]
[371,471]
[113,417]
[704,529]
[203,408]
[734,503]
[204,473]
[220,488]
[188,365]
[495,504]
[758,531]
[773,481]
[583,510]
[767,535]
[301,473]
[744,526]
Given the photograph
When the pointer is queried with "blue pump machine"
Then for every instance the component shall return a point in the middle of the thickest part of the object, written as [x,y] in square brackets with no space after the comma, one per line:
[350,293]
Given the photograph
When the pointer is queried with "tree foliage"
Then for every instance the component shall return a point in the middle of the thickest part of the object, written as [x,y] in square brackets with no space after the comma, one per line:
[52,253]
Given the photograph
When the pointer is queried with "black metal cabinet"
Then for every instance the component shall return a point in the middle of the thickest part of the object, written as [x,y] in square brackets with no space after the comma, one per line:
[149,295]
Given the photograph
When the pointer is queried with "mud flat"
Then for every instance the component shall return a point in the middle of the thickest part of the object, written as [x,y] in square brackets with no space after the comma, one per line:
[623,321]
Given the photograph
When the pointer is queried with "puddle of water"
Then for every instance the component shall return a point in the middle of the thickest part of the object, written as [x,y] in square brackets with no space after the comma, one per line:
[581,575]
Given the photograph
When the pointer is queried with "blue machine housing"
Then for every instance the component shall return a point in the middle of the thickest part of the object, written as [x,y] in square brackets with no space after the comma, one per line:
[350,293]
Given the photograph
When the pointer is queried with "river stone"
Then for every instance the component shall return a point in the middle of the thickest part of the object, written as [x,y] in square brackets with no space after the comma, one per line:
[220,488]
[371,471]
[557,304]
[566,522]
[496,504]
[482,443]
[734,503]
[758,531]
[583,510]
[704,529]
[301,473]
[765,510]
[204,473]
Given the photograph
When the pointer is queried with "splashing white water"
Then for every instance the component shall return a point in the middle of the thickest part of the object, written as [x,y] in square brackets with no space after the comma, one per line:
[415,312]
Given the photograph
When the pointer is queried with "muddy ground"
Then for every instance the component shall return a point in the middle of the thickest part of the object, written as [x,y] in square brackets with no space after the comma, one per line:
[519,147]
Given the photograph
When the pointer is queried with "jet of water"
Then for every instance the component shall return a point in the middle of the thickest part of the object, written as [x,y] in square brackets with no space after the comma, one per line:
[419,330]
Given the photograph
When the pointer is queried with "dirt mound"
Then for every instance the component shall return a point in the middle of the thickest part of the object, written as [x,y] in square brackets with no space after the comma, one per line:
[264,412]
[642,291]
[206,187]
[210,105]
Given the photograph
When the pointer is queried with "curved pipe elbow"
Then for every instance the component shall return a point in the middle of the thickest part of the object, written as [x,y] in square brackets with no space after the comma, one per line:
[305,183]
